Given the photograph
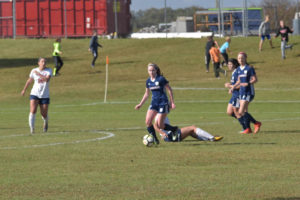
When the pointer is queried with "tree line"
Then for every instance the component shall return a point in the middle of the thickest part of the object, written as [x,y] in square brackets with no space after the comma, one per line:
[276,9]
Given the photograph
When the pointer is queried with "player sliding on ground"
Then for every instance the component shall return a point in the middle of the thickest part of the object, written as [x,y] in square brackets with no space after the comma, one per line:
[181,133]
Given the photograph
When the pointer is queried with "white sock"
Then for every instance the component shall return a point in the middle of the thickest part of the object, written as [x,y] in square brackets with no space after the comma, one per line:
[31,120]
[45,119]
[203,135]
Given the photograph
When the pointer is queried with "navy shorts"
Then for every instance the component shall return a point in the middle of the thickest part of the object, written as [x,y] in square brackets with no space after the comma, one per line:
[267,36]
[162,109]
[246,97]
[41,100]
[234,101]
[176,137]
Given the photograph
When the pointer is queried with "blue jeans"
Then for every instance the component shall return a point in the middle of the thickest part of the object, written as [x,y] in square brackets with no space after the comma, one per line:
[284,46]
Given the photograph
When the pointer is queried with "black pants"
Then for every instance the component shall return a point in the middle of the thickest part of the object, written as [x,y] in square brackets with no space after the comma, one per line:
[95,54]
[218,69]
[58,63]
[207,60]
[225,56]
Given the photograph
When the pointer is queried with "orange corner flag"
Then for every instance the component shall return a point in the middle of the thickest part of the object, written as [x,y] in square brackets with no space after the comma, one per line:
[107,60]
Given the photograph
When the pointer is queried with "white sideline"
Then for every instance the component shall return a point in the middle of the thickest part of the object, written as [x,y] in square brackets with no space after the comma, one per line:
[108,135]
[264,89]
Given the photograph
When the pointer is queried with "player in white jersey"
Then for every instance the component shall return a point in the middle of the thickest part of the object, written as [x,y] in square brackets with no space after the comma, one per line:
[181,133]
[39,94]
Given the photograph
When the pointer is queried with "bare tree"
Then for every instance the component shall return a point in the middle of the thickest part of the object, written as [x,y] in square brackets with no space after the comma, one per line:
[279,10]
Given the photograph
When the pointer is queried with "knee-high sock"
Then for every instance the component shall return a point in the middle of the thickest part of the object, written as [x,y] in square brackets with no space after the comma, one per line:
[242,122]
[246,121]
[31,120]
[249,116]
[151,131]
[203,135]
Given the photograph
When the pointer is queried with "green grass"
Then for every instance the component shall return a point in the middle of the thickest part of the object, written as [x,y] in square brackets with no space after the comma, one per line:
[263,166]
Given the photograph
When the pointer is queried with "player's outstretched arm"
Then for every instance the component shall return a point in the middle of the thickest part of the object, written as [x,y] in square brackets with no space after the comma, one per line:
[28,82]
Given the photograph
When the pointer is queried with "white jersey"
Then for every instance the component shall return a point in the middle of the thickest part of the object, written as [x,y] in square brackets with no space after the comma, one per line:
[40,88]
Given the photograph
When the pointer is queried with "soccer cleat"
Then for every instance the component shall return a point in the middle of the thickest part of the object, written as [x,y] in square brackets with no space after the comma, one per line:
[155,141]
[93,66]
[257,126]
[247,131]
[32,130]
[217,138]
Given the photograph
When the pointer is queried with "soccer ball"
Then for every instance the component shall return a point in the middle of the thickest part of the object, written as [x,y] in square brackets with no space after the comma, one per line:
[148,140]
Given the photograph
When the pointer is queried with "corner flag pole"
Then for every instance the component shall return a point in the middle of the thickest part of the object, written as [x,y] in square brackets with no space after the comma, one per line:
[106,79]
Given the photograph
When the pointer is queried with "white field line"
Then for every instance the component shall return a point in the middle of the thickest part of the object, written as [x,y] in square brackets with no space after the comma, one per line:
[179,101]
[259,89]
[108,135]
[4,110]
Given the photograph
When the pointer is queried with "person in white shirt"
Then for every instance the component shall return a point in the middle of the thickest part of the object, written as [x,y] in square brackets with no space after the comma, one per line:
[39,94]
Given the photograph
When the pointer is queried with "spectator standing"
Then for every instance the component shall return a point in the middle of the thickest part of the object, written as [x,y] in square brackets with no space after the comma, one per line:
[56,56]
[284,31]
[94,47]
[215,56]
[225,50]
[264,32]
[209,43]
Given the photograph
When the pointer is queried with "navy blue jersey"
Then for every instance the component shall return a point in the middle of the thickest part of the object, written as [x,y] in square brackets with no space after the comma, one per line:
[157,87]
[94,43]
[234,79]
[245,77]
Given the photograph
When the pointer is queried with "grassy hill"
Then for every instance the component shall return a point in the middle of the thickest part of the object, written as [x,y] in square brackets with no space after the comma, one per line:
[94,150]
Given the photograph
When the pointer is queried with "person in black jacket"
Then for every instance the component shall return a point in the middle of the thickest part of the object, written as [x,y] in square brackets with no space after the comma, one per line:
[209,44]
[94,47]
[284,32]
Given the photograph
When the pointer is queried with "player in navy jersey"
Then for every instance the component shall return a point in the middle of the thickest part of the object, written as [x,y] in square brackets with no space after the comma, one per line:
[157,84]
[233,104]
[246,79]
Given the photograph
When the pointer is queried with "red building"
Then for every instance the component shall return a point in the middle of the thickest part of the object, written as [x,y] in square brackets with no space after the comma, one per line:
[60,18]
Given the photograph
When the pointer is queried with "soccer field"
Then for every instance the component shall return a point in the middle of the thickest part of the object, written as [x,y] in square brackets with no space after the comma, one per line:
[94,150]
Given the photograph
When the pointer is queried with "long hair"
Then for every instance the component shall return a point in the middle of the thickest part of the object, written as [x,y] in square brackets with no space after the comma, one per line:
[158,72]
[234,62]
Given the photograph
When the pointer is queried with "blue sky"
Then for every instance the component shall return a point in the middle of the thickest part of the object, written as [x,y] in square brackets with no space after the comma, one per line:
[146,4]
